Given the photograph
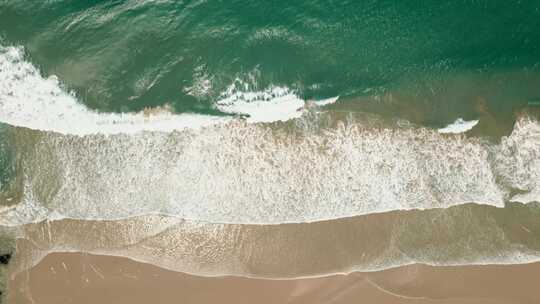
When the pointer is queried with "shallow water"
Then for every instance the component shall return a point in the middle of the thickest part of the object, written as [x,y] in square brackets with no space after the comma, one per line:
[460,235]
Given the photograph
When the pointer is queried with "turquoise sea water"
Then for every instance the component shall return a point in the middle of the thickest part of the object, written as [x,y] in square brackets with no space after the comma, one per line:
[128,55]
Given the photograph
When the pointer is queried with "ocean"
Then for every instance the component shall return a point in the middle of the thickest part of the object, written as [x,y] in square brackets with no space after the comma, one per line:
[271,139]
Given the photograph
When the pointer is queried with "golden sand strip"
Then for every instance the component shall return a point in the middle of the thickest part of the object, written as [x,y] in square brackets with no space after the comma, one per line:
[85,278]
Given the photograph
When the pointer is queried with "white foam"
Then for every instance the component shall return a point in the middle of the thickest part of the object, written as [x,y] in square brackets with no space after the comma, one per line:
[327,101]
[248,173]
[272,104]
[517,161]
[459,126]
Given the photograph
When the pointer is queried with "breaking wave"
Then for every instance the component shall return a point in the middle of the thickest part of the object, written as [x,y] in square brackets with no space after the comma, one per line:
[248,173]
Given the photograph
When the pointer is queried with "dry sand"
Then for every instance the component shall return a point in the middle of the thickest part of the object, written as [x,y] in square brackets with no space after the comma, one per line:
[84,278]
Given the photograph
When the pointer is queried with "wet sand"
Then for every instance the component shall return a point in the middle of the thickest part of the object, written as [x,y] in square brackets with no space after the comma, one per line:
[462,235]
[84,278]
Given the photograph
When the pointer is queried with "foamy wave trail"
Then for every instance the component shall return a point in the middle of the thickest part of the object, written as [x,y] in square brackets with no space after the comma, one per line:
[459,126]
[461,235]
[268,174]
[272,104]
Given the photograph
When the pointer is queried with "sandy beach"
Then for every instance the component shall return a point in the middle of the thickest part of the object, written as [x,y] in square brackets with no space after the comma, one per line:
[85,278]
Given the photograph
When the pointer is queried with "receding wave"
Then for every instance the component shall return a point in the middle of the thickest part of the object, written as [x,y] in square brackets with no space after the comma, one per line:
[460,235]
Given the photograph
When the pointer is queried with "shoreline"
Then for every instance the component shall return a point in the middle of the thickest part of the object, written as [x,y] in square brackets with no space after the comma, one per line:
[462,235]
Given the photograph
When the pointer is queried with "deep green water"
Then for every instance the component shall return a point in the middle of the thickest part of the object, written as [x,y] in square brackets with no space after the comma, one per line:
[127,55]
